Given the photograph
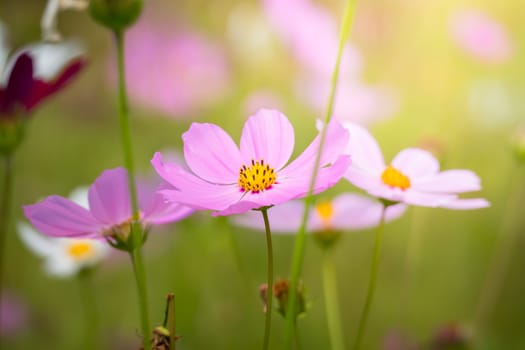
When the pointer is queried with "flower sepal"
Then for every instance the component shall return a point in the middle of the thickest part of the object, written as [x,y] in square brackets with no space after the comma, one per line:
[387,203]
[122,237]
[327,238]
[12,131]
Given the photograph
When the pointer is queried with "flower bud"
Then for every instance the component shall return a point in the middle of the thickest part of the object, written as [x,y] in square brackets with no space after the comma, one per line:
[280,292]
[115,14]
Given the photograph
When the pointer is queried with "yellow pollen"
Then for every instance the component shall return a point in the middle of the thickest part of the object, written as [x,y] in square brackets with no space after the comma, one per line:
[325,210]
[394,178]
[80,250]
[257,177]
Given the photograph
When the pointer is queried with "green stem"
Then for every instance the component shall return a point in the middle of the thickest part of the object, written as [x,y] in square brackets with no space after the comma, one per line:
[5,211]
[332,300]
[298,345]
[90,310]
[372,282]
[125,133]
[300,240]
[140,279]
[136,229]
[269,291]
[502,256]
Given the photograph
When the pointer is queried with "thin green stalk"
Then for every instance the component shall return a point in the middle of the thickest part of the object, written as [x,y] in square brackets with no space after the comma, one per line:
[331,299]
[298,345]
[269,291]
[372,282]
[125,133]
[502,255]
[140,279]
[136,229]
[5,212]
[298,254]
[91,341]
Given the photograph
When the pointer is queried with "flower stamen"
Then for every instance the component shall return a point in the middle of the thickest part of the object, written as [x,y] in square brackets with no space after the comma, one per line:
[394,178]
[80,250]
[325,210]
[257,177]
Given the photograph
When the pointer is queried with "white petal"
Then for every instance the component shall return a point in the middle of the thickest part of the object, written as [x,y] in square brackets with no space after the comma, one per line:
[4,49]
[61,266]
[36,242]
[49,59]
[80,196]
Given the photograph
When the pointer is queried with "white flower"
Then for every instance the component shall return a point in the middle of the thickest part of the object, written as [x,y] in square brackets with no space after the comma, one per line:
[64,257]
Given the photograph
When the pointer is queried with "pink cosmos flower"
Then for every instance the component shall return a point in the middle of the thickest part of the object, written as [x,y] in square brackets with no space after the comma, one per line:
[109,212]
[34,73]
[174,70]
[230,180]
[413,176]
[348,211]
[481,36]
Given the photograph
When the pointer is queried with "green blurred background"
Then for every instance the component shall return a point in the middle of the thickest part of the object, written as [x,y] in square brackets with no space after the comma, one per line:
[214,269]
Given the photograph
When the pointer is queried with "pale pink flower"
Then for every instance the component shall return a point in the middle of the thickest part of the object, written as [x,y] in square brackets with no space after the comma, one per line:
[413,176]
[481,36]
[345,212]
[109,211]
[174,70]
[228,180]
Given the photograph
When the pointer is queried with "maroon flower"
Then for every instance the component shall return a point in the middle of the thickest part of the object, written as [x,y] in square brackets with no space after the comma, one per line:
[34,73]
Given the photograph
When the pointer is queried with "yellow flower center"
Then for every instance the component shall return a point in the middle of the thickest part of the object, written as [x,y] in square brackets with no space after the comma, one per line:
[394,178]
[80,250]
[256,177]
[325,210]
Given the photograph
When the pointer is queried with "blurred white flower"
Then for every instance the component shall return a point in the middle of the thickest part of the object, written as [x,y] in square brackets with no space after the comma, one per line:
[64,257]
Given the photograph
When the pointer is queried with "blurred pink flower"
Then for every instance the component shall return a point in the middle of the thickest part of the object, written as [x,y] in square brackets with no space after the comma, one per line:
[348,211]
[229,180]
[481,36]
[13,315]
[261,99]
[109,210]
[312,35]
[34,73]
[354,101]
[174,70]
[413,176]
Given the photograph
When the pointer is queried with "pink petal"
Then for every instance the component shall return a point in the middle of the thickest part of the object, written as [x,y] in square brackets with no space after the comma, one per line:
[426,199]
[211,153]
[158,211]
[334,146]
[363,179]
[466,204]
[450,181]
[357,212]
[108,197]
[59,217]
[365,152]
[414,163]
[193,191]
[284,218]
[268,136]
